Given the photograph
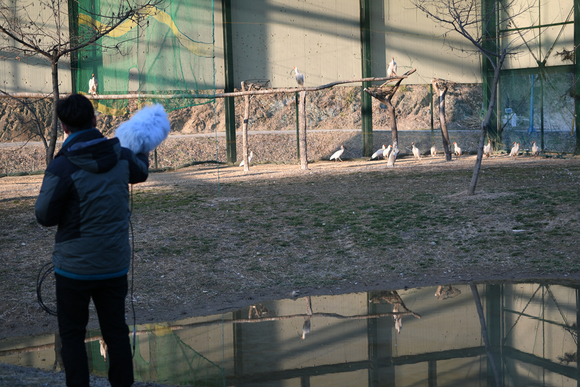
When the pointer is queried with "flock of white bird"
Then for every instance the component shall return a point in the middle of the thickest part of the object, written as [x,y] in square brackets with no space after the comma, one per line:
[385,151]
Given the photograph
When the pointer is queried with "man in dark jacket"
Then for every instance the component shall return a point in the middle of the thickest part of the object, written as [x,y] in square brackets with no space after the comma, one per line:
[85,193]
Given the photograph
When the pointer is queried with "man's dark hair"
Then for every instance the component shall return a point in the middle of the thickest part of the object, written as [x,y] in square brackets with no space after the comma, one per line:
[76,112]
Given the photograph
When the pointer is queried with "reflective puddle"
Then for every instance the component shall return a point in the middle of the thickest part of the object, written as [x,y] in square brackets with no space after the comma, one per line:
[429,336]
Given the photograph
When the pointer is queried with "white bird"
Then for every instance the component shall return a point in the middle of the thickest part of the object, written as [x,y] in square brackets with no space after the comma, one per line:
[535,149]
[336,155]
[457,150]
[379,152]
[93,83]
[487,149]
[298,75]
[387,152]
[416,152]
[249,159]
[392,69]
[515,150]
[433,150]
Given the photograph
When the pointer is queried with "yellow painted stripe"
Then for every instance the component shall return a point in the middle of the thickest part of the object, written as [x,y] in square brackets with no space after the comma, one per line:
[200,49]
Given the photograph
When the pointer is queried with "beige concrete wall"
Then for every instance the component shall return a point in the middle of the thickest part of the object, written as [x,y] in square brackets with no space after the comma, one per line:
[20,73]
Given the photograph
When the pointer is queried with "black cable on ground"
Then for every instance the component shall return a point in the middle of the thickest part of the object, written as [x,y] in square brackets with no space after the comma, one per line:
[44,272]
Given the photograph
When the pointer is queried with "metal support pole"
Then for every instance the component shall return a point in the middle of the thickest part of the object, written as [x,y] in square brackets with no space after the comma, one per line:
[577,72]
[366,100]
[230,111]
[297,126]
[490,43]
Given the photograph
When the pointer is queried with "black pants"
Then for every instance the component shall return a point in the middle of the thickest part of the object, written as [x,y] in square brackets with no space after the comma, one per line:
[72,305]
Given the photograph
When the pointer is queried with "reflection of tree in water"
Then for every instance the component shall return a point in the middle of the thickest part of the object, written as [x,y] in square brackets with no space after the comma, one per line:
[392,297]
[259,311]
[445,292]
[570,357]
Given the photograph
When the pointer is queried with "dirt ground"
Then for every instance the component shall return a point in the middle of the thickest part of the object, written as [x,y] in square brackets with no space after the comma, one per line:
[210,240]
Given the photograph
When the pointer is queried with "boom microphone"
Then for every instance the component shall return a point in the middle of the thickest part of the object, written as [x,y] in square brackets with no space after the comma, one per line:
[145,130]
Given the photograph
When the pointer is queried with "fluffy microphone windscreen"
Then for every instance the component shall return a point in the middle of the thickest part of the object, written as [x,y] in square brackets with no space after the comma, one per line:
[145,130]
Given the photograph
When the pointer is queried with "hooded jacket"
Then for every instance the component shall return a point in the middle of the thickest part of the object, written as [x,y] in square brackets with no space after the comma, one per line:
[85,192]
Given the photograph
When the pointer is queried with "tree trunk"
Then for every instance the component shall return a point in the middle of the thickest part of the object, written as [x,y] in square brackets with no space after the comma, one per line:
[477,167]
[302,134]
[54,127]
[394,132]
[443,120]
[245,129]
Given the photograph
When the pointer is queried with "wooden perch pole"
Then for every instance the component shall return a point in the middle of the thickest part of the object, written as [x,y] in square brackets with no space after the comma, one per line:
[302,134]
[204,96]
[245,129]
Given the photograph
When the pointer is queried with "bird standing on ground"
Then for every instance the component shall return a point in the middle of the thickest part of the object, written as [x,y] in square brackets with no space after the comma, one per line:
[336,155]
[93,83]
[416,152]
[379,152]
[515,150]
[535,149]
[250,157]
[487,149]
[457,150]
[298,75]
[392,69]
[387,152]
[433,150]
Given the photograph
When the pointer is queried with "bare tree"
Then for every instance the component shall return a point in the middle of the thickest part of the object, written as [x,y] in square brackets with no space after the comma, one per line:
[466,18]
[385,94]
[441,87]
[41,29]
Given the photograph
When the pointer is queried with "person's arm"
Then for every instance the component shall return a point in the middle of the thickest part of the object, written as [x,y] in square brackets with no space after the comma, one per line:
[51,200]
[138,166]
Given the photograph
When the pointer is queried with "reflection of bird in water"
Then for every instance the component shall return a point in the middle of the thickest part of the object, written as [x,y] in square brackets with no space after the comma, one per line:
[250,157]
[398,319]
[299,76]
[305,327]
[336,155]
[392,69]
[447,291]
[387,152]
[433,150]
[457,150]
[103,348]
[487,149]
[379,152]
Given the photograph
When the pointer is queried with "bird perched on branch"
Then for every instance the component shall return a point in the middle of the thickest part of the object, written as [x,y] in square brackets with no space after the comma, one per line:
[433,150]
[515,150]
[250,157]
[487,149]
[336,155]
[93,83]
[535,149]
[392,69]
[457,150]
[416,152]
[379,152]
[298,75]
[387,152]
